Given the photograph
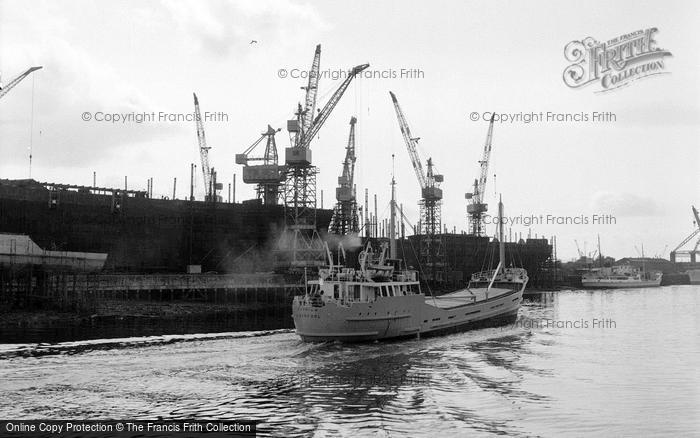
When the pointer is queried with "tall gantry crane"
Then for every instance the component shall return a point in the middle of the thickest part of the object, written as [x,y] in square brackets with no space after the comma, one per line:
[10,85]
[430,225]
[300,246]
[477,207]
[211,187]
[694,252]
[269,175]
[345,220]
[578,249]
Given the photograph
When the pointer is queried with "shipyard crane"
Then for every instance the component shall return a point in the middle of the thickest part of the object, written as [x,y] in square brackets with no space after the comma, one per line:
[311,89]
[269,175]
[344,220]
[578,249]
[694,252]
[477,206]
[430,225]
[300,246]
[300,151]
[210,184]
[10,85]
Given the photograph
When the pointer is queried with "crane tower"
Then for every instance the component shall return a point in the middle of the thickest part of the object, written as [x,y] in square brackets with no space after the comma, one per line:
[692,254]
[477,206]
[211,187]
[300,245]
[268,175]
[345,220]
[430,225]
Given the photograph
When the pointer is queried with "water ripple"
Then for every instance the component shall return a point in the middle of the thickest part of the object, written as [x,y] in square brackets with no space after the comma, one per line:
[515,380]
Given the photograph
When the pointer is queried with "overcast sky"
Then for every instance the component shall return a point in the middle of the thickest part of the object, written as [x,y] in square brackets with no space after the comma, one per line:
[134,56]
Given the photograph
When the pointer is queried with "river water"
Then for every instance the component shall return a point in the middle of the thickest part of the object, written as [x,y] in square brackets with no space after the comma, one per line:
[624,363]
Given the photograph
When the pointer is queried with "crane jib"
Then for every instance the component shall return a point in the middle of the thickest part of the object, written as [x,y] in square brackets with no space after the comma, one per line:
[10,85]
[426,181]
[328,108]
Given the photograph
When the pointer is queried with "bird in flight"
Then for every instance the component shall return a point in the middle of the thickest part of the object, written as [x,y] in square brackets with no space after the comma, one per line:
[253,41]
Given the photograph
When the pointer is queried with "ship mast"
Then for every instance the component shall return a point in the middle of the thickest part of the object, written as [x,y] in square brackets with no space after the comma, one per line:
[501,243]
[392,220]
[501,248]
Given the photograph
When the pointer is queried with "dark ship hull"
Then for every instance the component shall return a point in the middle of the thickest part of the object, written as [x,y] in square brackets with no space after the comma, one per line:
[144,235]
[464,254]
[140,234]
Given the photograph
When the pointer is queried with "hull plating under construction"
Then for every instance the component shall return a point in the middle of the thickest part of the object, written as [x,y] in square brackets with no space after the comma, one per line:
[144,235]
[694,276]
[147,235]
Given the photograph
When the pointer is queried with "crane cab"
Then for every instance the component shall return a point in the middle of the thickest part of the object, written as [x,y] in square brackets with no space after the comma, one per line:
[432,193]
[297,156]
[263,174]
[343,194]
[242,159]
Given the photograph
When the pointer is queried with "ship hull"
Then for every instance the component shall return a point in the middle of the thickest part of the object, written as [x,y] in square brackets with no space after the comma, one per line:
[694,276]
[620,284]
[146,235]
[150,235]
[403,316]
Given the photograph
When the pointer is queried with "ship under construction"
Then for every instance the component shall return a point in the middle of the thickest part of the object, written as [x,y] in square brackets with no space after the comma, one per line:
[282,229]
[144,235]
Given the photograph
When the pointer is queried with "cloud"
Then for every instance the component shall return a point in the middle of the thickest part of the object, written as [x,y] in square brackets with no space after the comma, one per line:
[74,80]
[624,204]
[95,61]
[220,26]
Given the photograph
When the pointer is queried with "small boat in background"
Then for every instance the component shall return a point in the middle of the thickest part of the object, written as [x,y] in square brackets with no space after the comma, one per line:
[618,277]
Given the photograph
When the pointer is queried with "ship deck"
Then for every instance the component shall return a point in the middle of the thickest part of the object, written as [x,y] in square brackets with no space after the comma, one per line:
[463,297]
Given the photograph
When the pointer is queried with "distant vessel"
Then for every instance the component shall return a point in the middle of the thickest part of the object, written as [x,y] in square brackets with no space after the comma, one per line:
[20,251]
[618,277]
[382,301]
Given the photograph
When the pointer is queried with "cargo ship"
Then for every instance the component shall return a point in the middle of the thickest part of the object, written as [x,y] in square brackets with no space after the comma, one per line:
[382,300]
